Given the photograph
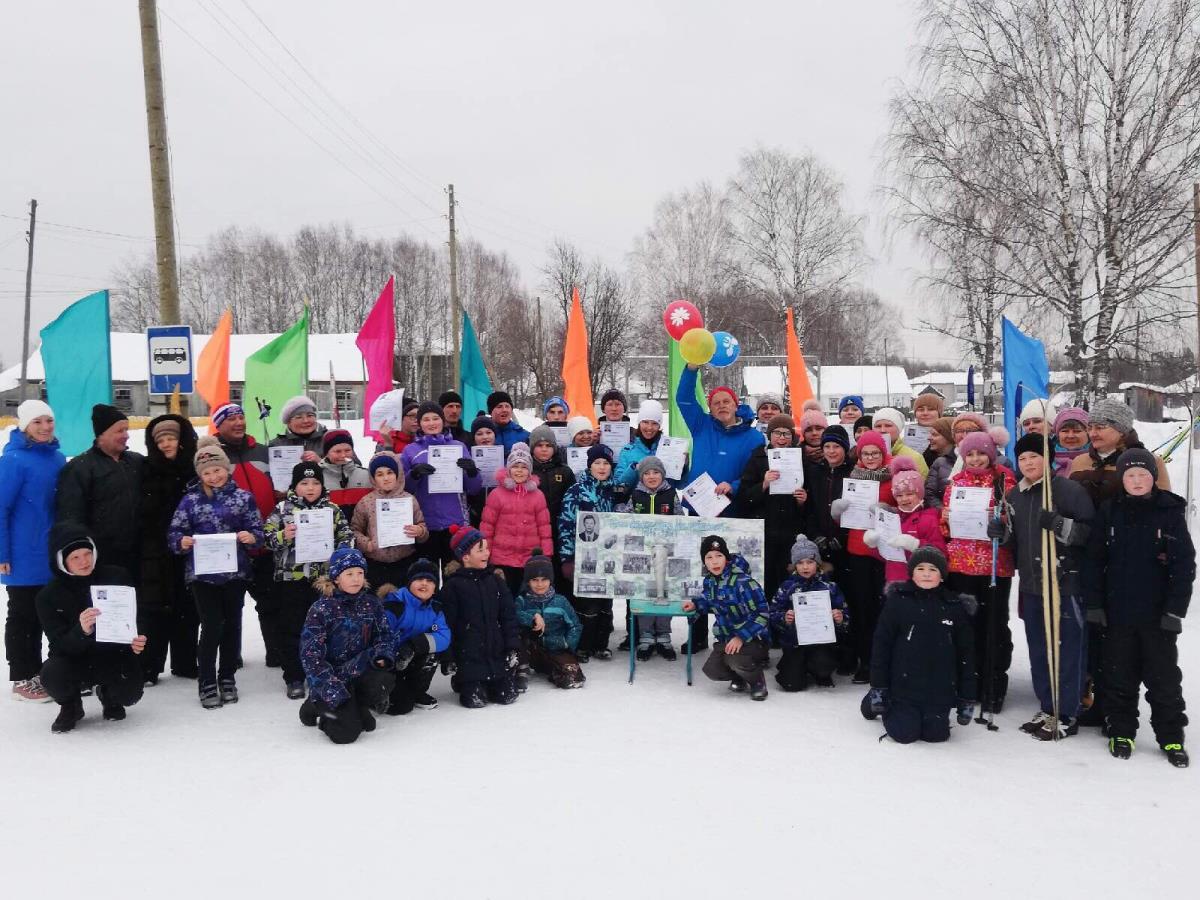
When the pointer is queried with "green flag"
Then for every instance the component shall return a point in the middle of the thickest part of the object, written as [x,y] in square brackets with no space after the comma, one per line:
[276,373]
[77,359]
[675,367]
[474,384]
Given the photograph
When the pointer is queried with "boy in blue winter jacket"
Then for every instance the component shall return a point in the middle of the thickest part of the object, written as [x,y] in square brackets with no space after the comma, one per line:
[741,621]
[550,630]
[419,633]
[798,662]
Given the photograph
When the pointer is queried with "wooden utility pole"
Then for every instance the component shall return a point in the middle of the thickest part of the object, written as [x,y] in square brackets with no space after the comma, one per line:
[28,294]
[455,308]
[160,167]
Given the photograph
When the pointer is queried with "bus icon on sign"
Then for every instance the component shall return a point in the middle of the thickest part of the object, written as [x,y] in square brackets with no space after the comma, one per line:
[170,354]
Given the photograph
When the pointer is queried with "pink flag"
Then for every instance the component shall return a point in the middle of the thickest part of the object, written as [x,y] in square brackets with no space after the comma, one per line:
[377,341]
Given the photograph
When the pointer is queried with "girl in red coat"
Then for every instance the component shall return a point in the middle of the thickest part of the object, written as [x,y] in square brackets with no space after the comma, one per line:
[516,520]
[920,525]
[864,565]
[971,564]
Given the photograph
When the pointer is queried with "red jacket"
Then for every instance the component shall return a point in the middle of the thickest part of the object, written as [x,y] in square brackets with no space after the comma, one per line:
[923,523]
[972,557]
[252,473]
[516,521]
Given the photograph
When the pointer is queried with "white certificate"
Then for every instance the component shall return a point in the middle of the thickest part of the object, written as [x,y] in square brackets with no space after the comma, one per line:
[969,524]
[117,623]
[577,459]
[281,462]
[489,459]
[391,517]
[862,494]
[887,526]
[916,436]
[388,409]
[614,435]
[814,617]
[215,554]
[447,477]
[562,435]
[703,499]
[672,453]
[314,535]
[970,497]
[789,463]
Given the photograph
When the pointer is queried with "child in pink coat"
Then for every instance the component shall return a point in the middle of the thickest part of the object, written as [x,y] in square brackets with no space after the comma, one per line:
[920,525]
[516,519]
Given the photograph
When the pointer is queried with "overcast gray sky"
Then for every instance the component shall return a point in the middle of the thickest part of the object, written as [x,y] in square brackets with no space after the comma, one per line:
[550,118]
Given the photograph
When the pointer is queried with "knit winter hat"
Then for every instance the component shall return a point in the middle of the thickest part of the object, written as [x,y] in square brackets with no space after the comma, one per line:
[538,566]
[335,437]
[650,411]
[383,461]
[543,434]
[931,555]
[863,422]
[811,418]
[303,470]
[890,414]
[1137,458]
[599,451]
[577,425]
[430,407]
[295,407]
[463,538]
[613,394]
[929,401]
[978,440]
[209,454]
[495,398]
[836,434]
[768,398]
[421,568]
[719,389]
[850,400]
[519,455]
[651,464]
[345,558]
[449,397]
[35,409]
[782,420]
[105,417]
[1071,414]
[224,411]
[811,403]
[1113,413]
[905,476]
[1038,409]
[409,406]
[875,439]
[713,542]
[944,425]
[555,401]
[166,426]
[804,549]
[975,418]
[483,422]
[1035,442]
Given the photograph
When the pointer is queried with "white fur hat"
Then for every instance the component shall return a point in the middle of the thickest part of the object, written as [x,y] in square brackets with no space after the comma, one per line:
[30,410]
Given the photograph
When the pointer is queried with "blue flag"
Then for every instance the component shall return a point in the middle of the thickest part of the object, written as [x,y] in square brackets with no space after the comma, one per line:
[1026,372]
[77,358]
[971,386]
[473,384]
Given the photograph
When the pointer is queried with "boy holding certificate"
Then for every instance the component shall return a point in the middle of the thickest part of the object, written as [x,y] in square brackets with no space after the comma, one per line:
[800,661]
[388,553]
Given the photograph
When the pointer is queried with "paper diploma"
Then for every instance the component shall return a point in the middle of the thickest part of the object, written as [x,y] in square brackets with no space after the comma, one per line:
[388,409]
[615,436]
[281,462]
[577,459]
[672,453]
[916,437]
[448,477]
[117,623]
[489,459]
[814,617]
[862,494]
[700,494]
[215,554]
[789,463]
[314,535]
[391,517]
[887,526]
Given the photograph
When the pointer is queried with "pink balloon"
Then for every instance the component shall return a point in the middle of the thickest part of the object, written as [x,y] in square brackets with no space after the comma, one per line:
[680,317]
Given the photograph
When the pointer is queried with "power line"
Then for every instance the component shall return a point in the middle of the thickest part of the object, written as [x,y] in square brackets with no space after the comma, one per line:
[96,231]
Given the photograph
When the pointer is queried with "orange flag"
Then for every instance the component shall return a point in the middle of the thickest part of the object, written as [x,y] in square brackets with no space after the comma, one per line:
[212,369]
[799,388]
[577,380]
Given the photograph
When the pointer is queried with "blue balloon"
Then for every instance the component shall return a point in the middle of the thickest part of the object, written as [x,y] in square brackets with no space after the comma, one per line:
[728,350]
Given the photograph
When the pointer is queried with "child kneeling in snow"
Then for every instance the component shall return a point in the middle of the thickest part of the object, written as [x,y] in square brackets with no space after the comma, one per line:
[550,630]
[741,625]
[923,661]
[483,621]
[346,649]
[818,660]
[419,633]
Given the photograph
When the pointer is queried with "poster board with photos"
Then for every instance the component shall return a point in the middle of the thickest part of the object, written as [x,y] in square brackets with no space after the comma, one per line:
[654,558]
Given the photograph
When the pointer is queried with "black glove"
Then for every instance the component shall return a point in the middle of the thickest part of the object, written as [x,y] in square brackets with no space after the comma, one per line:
[381,662]
[468,465]
[1097,617]
[510,661]
[966,711]
[449,666]
[1050,520]
[428,662]
[420,470]
[1173,624]
[995,529]
[877,700]
[404,656]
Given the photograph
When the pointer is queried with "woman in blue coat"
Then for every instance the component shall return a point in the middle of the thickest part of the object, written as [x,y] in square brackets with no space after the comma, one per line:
[28,474]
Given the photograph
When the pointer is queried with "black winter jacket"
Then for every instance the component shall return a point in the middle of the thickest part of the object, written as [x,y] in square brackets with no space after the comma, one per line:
[554,478]
[924,650]
[104,496]
[1070,500]
[483,622]
[164,482]
[783,518]
[824,485]
[1140,560]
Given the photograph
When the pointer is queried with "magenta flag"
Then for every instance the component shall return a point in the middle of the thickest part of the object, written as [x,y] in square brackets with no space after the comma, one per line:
[377,342]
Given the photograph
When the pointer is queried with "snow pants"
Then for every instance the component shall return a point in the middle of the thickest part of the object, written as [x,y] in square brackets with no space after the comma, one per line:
[343,724]
[262,589]
[412,683]
[1135,655]
[747,664]
[993,635]
[23,633]
[1072,653]
[293,598]
[560,666]
[864,597]
[908,722]
[220,610]
[596,615]
[798,663]
[117,670]
[175,628]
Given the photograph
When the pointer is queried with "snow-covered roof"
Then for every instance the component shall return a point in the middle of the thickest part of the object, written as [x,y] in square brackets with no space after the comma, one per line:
[1125,385]
[130,359]
[1186,386]
[761,380]
[863,380]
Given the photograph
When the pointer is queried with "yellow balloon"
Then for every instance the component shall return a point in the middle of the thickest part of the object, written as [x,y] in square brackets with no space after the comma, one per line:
[697,346]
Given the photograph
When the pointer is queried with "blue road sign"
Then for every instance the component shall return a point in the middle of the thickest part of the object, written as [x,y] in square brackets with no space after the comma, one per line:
[170,349]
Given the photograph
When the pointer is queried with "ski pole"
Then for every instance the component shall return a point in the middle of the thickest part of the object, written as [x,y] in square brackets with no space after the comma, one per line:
[990,721]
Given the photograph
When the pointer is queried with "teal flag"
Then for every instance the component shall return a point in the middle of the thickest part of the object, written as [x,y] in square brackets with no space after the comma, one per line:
[275,374]
[675,366]
[473,382]
[77,357]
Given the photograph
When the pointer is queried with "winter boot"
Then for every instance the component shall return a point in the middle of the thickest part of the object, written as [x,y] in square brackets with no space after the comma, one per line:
[1034,725]
[473,695]
[602,653]
[151,680]
[68,715]
[624,645]
[426,702]
[113,712]
[368,719]
[1056,730]
[308,713]
[30,689]
[295,690]
[644,653]
[210,697]
[737,685]
[862,675]
[1176,755]
[666,651]
[1120,747]
[582,655]
[823,680]
[229,692]
[758,690]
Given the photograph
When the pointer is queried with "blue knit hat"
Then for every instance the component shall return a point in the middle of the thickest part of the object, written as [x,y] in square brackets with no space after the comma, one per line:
[835,434]
[345,558]
[555,401]
[851,398]
[383,461]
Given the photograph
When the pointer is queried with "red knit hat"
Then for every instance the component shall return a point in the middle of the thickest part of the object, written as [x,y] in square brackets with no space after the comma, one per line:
[463,538]
[718,389]
[875,439]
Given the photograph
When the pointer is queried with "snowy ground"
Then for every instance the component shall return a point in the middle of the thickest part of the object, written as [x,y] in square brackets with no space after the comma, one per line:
[654,789]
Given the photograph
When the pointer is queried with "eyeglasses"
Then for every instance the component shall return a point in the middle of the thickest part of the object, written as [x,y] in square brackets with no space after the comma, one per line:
[963,429]
[870,454]
[781,432]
